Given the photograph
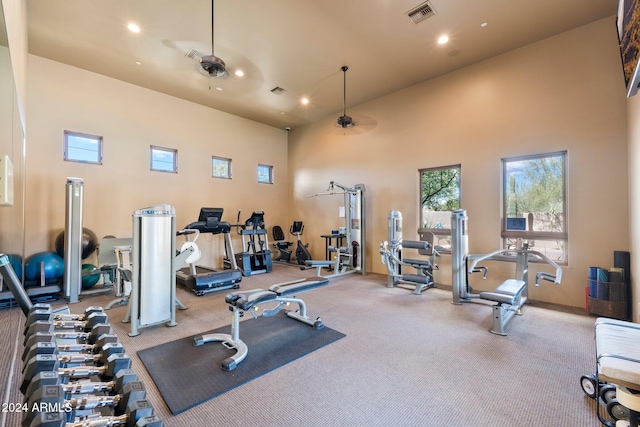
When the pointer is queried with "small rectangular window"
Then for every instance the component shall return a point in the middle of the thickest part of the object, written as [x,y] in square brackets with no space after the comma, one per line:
[164,159]
[265,174]
[79,147]
[534,203]
[221,167]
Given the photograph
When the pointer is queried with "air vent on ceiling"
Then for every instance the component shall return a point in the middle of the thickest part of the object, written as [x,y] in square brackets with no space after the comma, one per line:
[194,54]
[421,12]
[277,90]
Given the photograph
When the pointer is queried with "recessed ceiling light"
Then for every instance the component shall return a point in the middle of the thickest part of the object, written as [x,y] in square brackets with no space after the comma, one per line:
[133,28]
[443,39]
[239,73]
[281,112]
[219,88]
[304,101]
[484,24]
[138,63]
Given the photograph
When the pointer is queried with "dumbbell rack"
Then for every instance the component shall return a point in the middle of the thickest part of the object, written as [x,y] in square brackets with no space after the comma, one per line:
[76,373]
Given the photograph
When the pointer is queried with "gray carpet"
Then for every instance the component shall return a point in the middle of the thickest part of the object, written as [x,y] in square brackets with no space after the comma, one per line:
[406,360]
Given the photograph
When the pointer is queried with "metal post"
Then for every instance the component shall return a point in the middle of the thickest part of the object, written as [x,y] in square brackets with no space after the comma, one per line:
[72,279]
[14,285]
[459,253]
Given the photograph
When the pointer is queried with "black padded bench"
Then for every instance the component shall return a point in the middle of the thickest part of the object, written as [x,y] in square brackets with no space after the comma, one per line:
[241,301]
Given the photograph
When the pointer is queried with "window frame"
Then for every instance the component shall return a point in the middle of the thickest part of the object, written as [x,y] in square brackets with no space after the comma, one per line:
[65,148]
[445,230]
[229,174]
[562,236]
[166,150]
[270,168]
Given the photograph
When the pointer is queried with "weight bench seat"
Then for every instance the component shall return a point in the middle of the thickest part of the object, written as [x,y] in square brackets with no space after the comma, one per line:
[506,293]
[618,352]
[245,300]
[290,289]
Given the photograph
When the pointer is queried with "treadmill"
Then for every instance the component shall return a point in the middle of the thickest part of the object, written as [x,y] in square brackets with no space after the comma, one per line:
[200,279]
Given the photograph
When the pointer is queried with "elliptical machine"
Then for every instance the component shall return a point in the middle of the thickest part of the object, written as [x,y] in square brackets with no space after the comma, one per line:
[256,256]
[302,251]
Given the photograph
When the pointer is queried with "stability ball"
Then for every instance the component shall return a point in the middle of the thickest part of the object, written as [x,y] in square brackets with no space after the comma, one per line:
[53,266]
[89,280]
[89,243]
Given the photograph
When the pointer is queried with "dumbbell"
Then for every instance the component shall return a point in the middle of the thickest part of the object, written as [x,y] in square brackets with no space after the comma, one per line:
[42,311]
[105,341]
[49,362]
[50,325]
[139,413]
[51,398]
[45,343]
[78,358]
[89,335]
[41,379]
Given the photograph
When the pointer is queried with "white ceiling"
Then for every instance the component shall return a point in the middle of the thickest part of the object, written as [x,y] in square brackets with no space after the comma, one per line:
[299,45]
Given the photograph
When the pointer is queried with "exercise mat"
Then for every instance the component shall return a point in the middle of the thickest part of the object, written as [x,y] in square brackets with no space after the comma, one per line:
[187,375]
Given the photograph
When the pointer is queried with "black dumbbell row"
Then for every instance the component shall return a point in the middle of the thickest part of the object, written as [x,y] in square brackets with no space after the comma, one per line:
[76,373]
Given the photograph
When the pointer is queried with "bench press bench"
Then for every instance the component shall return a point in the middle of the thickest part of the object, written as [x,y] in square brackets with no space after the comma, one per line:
[242,301]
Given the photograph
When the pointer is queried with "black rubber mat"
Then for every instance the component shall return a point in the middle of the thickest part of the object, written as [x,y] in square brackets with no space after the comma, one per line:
[187,375]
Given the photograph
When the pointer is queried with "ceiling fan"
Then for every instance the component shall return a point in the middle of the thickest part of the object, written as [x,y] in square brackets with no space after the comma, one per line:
[211,64]
[347,124]
[345,121]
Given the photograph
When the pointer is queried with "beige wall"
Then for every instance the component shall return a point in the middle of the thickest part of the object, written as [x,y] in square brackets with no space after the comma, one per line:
[12,119]
[130,119]
[563,93]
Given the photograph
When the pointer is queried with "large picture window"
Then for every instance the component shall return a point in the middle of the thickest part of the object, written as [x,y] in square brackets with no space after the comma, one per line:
[439,195]
[534,203]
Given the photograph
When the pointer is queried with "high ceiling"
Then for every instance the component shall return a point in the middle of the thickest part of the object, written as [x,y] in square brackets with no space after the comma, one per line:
[297,45]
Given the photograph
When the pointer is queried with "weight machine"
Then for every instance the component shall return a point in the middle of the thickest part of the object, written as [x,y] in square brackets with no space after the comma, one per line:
[512,294]
[394,259]
[349,258]
[154,263]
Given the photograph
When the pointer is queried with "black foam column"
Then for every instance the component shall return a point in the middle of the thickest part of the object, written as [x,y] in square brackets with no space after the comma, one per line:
[622,260]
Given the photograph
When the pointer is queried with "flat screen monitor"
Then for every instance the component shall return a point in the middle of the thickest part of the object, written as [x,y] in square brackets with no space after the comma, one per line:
[214,213]
[519,224]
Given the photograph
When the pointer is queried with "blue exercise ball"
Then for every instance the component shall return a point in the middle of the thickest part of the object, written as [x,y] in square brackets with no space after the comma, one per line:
[89,243]
[89,280]
[53,266]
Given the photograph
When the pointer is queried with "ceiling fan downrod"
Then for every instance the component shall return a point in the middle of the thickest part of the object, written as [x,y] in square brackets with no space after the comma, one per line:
[344,121]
